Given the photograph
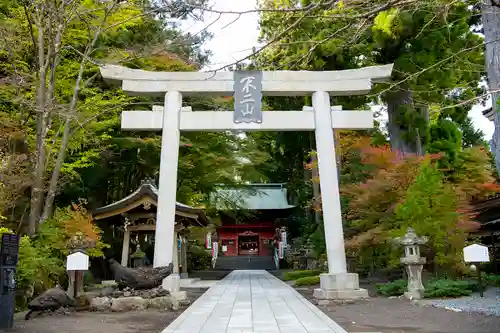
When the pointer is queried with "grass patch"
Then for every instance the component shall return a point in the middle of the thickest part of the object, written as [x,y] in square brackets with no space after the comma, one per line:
[294,275]
[307,281]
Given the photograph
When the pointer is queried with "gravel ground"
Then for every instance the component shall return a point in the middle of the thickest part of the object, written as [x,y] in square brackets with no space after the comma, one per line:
[150,321]
[489,304]
[402,316]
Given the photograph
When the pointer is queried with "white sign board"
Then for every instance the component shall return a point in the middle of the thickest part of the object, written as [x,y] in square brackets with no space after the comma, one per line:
[476,253]
[224,248]
[77,261]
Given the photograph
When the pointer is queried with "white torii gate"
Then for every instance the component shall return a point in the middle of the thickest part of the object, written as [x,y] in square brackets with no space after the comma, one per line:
[321,118]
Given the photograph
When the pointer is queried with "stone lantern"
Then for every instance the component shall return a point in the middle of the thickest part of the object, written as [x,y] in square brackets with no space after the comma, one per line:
[413,262]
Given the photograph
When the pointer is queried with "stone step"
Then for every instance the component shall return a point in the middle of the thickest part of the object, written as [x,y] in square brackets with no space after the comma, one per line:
[245,262]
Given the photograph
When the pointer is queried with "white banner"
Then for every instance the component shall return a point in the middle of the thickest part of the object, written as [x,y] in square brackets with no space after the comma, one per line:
[208,241]
[281,250]
[215,250]
[283,237]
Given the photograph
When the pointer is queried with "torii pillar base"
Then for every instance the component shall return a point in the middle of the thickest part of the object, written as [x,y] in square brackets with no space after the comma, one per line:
[172,284]
[344,286]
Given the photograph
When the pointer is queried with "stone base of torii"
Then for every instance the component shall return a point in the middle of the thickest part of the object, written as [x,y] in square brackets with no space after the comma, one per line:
[321,118]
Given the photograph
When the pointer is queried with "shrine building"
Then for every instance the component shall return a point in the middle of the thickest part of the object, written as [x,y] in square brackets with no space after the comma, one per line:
[488,215]
[252,218]
[133,220]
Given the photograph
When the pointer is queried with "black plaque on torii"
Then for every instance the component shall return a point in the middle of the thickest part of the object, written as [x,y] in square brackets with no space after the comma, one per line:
[9,251]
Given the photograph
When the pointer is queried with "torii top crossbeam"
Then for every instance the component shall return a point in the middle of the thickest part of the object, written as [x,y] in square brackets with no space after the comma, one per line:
[274,83]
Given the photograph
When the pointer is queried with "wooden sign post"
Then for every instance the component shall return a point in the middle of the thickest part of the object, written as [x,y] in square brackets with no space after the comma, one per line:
[76,264]
[477,254]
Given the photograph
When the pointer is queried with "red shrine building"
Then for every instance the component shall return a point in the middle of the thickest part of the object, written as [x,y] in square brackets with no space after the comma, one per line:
[251,217]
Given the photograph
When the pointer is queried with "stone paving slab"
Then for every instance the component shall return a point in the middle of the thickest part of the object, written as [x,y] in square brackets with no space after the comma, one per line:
[252,301]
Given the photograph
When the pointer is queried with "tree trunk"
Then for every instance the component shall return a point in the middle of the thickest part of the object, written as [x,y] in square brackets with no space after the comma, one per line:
[38,171]
[315,187]
[491,25]
[398,102]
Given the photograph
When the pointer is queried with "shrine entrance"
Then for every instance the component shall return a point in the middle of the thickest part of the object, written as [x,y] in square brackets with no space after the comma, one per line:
[248,88]
[248,243]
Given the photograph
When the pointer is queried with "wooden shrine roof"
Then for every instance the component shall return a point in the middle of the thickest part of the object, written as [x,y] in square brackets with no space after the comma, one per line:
[147,193]
[488,212]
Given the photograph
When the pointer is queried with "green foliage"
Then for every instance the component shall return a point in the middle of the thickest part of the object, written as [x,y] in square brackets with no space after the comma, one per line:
[307,281]
[493,280]
[198,258]
[430,207]
[58,232]
[449,288]
[37,268]
[294,275]
[445,138]
[433,289]
[395,288]
[317,239]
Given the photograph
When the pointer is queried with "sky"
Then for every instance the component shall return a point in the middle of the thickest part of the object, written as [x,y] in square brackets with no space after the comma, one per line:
[234,37]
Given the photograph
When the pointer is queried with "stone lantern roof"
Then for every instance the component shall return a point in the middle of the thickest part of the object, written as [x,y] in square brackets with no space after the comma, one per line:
[411,238]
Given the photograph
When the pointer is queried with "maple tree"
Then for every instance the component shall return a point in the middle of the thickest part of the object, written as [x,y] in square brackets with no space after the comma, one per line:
[412,191]
[69,224]
[383,192]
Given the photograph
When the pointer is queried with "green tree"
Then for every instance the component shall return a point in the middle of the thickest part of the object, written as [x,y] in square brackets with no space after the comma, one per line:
[434,51]
[87,155]
[430,207]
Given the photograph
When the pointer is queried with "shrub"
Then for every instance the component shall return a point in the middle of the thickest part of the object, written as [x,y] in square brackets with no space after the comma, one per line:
[307,281]
[289,276]
[395,288]
[198,258]
[493,280]
[450,288]
[41,262]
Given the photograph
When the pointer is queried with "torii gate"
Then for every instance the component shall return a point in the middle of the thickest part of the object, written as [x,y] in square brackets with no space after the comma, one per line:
[321,118]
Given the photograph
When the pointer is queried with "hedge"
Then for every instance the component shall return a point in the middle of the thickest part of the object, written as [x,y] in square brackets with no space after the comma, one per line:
[307,281]
[289,276]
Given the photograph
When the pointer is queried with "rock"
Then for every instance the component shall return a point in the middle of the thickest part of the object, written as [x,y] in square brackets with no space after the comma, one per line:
[127,294]
[101,303]
[452,309]
[159,292]
[323,302]
[107,291]
[117,294]
[128,304]
[175,303]
[162,303]
[62,312]
[184,302]
[51,299]
[139,278]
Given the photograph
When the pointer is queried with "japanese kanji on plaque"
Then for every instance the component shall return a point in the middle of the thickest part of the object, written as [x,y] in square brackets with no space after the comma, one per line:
[248,97]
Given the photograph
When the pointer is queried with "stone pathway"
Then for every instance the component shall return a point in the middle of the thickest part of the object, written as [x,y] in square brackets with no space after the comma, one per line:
[252,301]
